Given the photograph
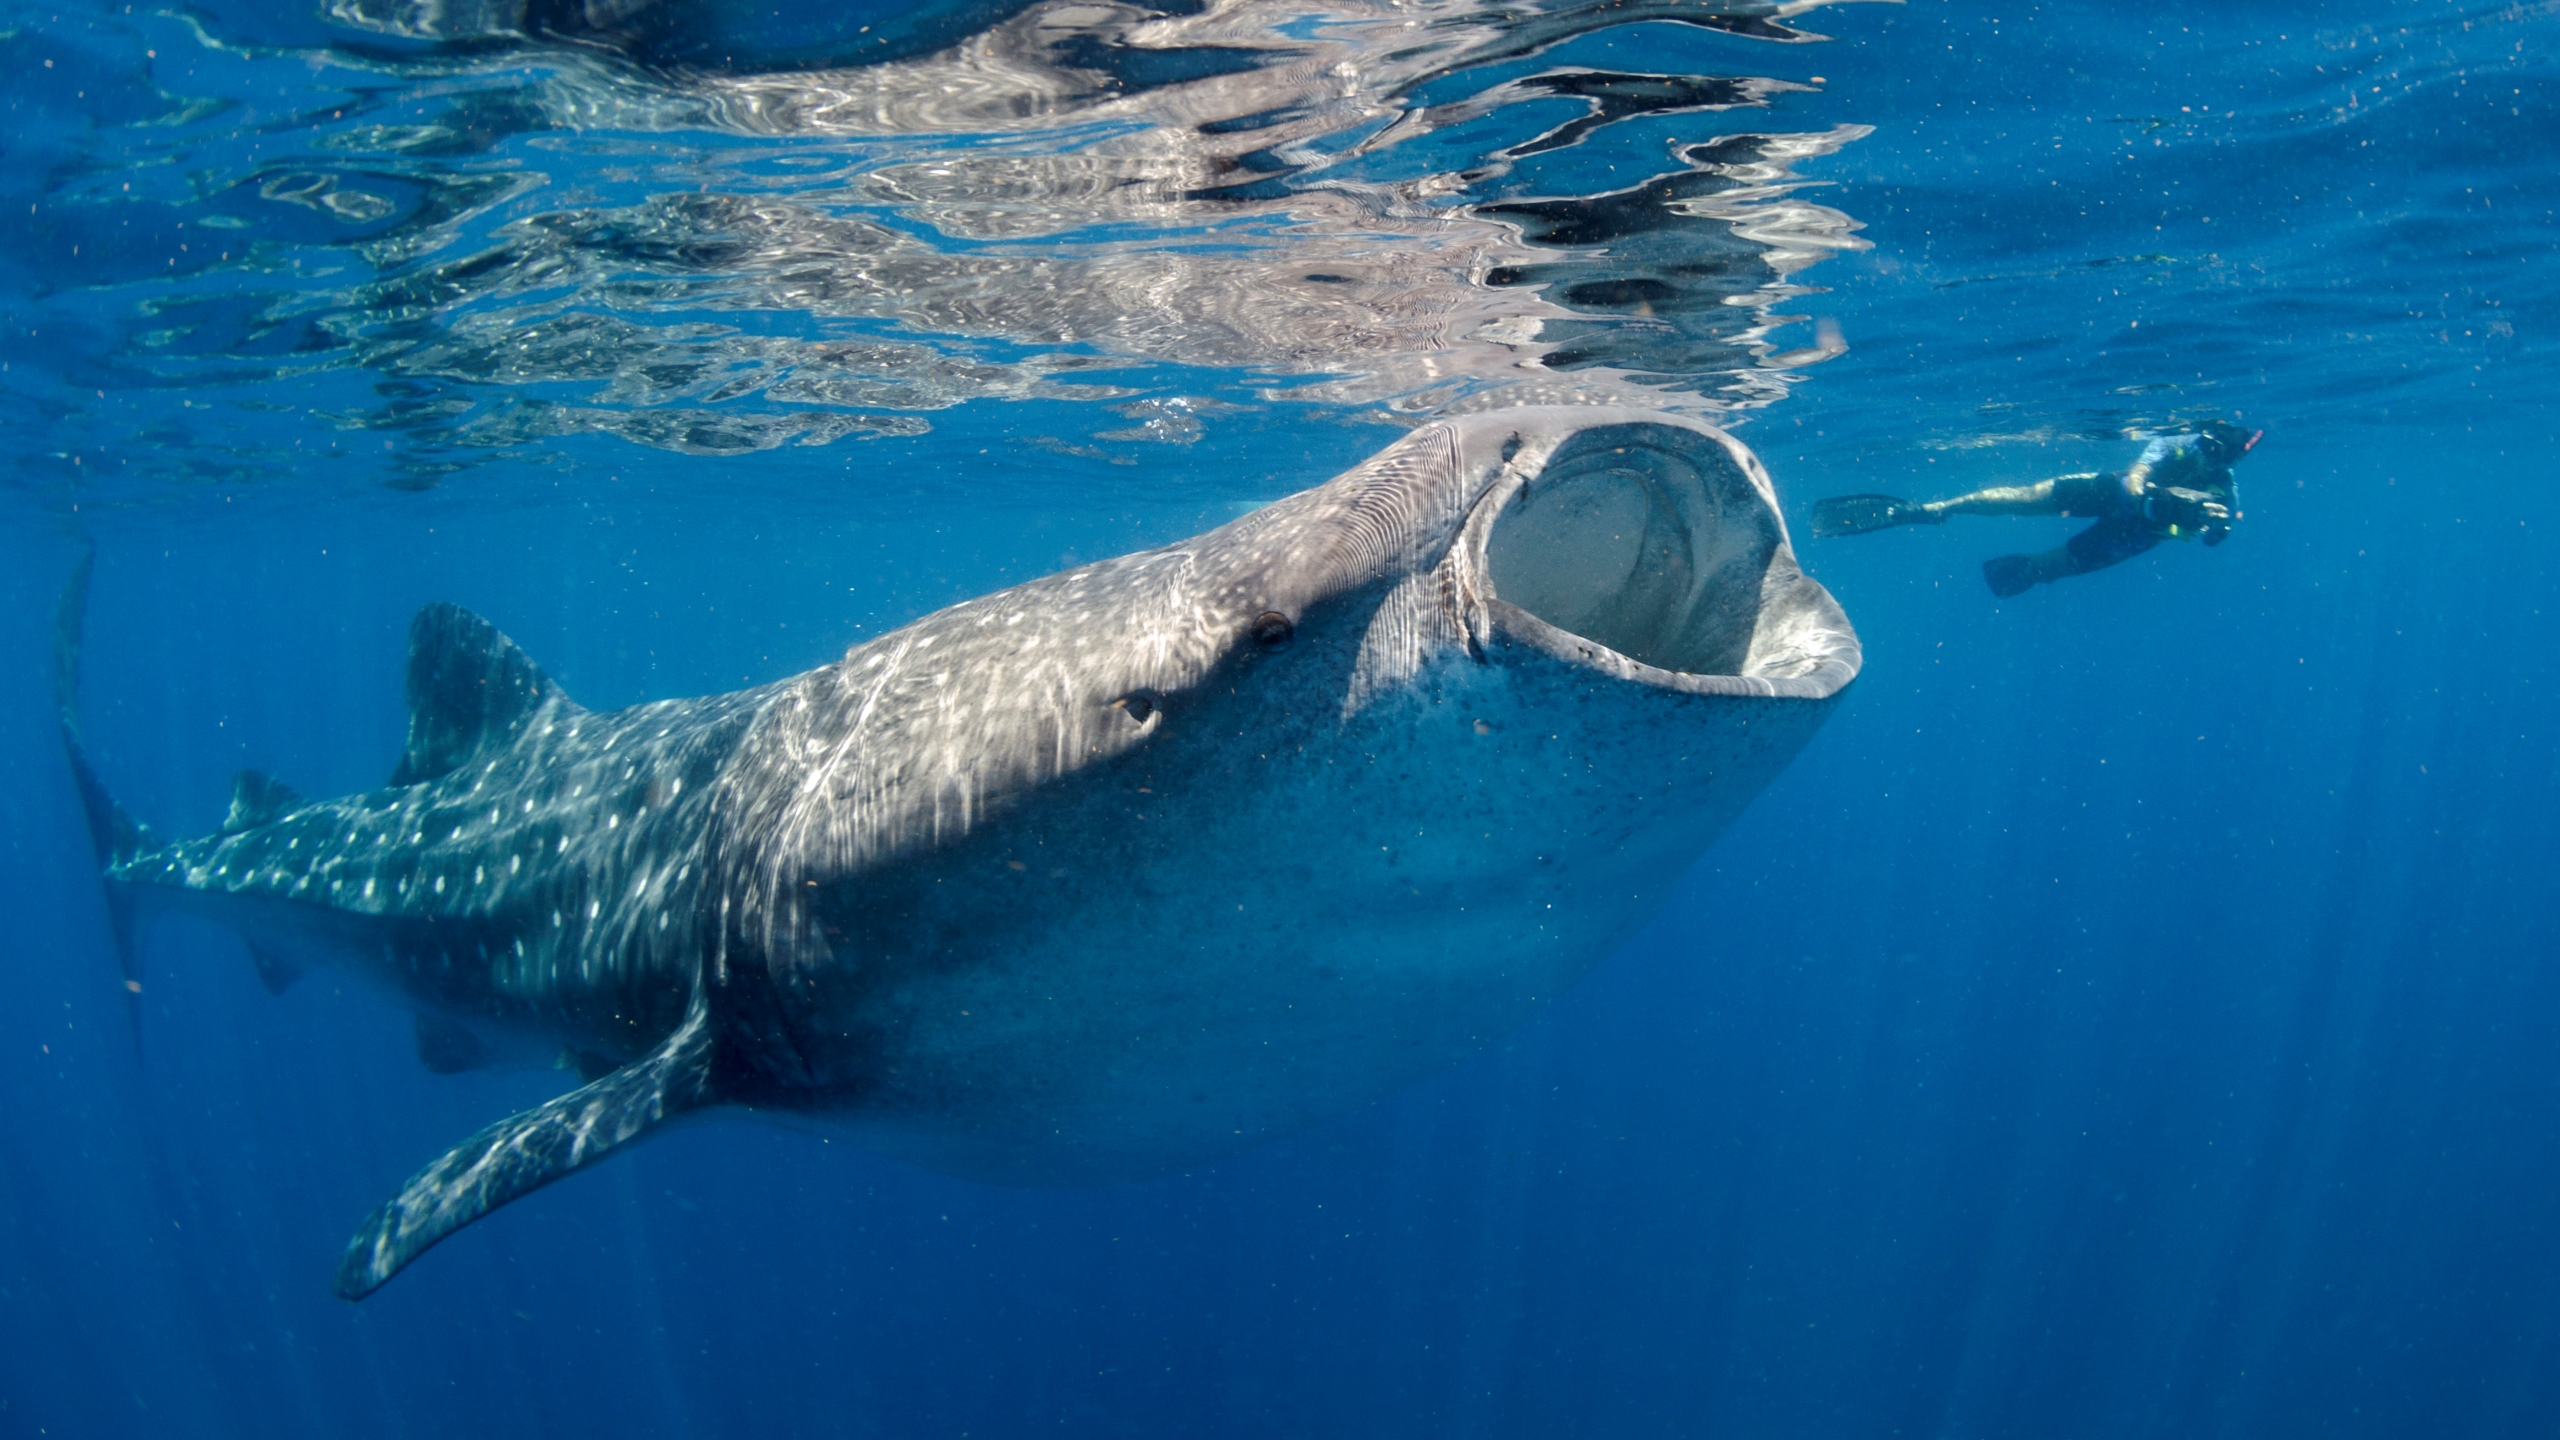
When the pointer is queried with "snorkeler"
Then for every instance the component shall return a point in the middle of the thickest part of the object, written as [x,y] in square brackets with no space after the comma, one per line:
[2180,489]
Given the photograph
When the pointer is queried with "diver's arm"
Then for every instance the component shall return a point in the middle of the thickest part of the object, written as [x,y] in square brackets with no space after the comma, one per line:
[2182,509]
[2203,504]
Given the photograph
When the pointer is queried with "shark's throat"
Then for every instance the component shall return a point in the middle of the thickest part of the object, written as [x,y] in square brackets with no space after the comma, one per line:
[1641,547]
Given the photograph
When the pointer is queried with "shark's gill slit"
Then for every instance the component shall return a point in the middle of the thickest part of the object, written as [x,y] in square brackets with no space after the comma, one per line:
[1656,553]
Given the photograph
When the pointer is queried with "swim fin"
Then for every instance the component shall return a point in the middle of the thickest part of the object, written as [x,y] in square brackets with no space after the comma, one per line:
[1858,514]
[2009,575]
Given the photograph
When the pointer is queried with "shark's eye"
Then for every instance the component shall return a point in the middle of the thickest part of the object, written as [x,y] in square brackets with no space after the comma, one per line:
[1272,632]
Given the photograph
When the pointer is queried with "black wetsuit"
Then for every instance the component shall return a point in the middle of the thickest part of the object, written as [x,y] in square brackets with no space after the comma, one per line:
[2129,524]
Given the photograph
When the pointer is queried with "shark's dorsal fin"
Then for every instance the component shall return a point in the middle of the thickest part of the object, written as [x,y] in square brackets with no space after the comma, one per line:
[470,691]
[256,799]
[525,1152]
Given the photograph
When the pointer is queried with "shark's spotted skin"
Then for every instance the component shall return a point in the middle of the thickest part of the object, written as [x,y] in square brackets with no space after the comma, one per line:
[549,882]
[1100,876]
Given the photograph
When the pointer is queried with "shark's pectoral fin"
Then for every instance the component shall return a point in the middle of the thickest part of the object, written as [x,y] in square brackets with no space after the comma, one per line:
[525,1152]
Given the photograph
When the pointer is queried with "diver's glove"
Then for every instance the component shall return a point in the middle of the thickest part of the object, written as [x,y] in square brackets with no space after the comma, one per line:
[2182,509]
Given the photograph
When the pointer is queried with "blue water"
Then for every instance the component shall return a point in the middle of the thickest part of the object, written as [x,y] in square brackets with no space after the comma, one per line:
[2134,1014]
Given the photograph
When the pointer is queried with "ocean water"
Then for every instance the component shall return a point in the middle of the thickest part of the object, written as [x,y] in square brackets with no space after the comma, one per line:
[2134,1014]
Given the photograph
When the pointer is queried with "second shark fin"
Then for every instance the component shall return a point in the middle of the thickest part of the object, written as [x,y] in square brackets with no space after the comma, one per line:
[277,970]
[257,798]
[527,1151]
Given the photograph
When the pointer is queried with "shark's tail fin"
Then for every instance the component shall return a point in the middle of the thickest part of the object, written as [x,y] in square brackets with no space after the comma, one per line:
[113,834]
[527,1151]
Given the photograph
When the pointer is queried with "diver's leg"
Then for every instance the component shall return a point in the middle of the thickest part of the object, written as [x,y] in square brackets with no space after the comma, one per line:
[2096,495]
[2036,499]
[2009,575]
[2090,494]
[2109,542]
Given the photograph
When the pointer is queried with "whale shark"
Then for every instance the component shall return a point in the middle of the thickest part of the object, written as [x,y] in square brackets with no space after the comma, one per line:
[1099,877]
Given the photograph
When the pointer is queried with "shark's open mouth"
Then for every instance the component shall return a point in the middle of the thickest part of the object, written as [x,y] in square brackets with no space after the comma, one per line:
[1660,545]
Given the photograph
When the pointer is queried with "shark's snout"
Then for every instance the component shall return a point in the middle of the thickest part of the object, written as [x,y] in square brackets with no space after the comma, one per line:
[1654,551]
